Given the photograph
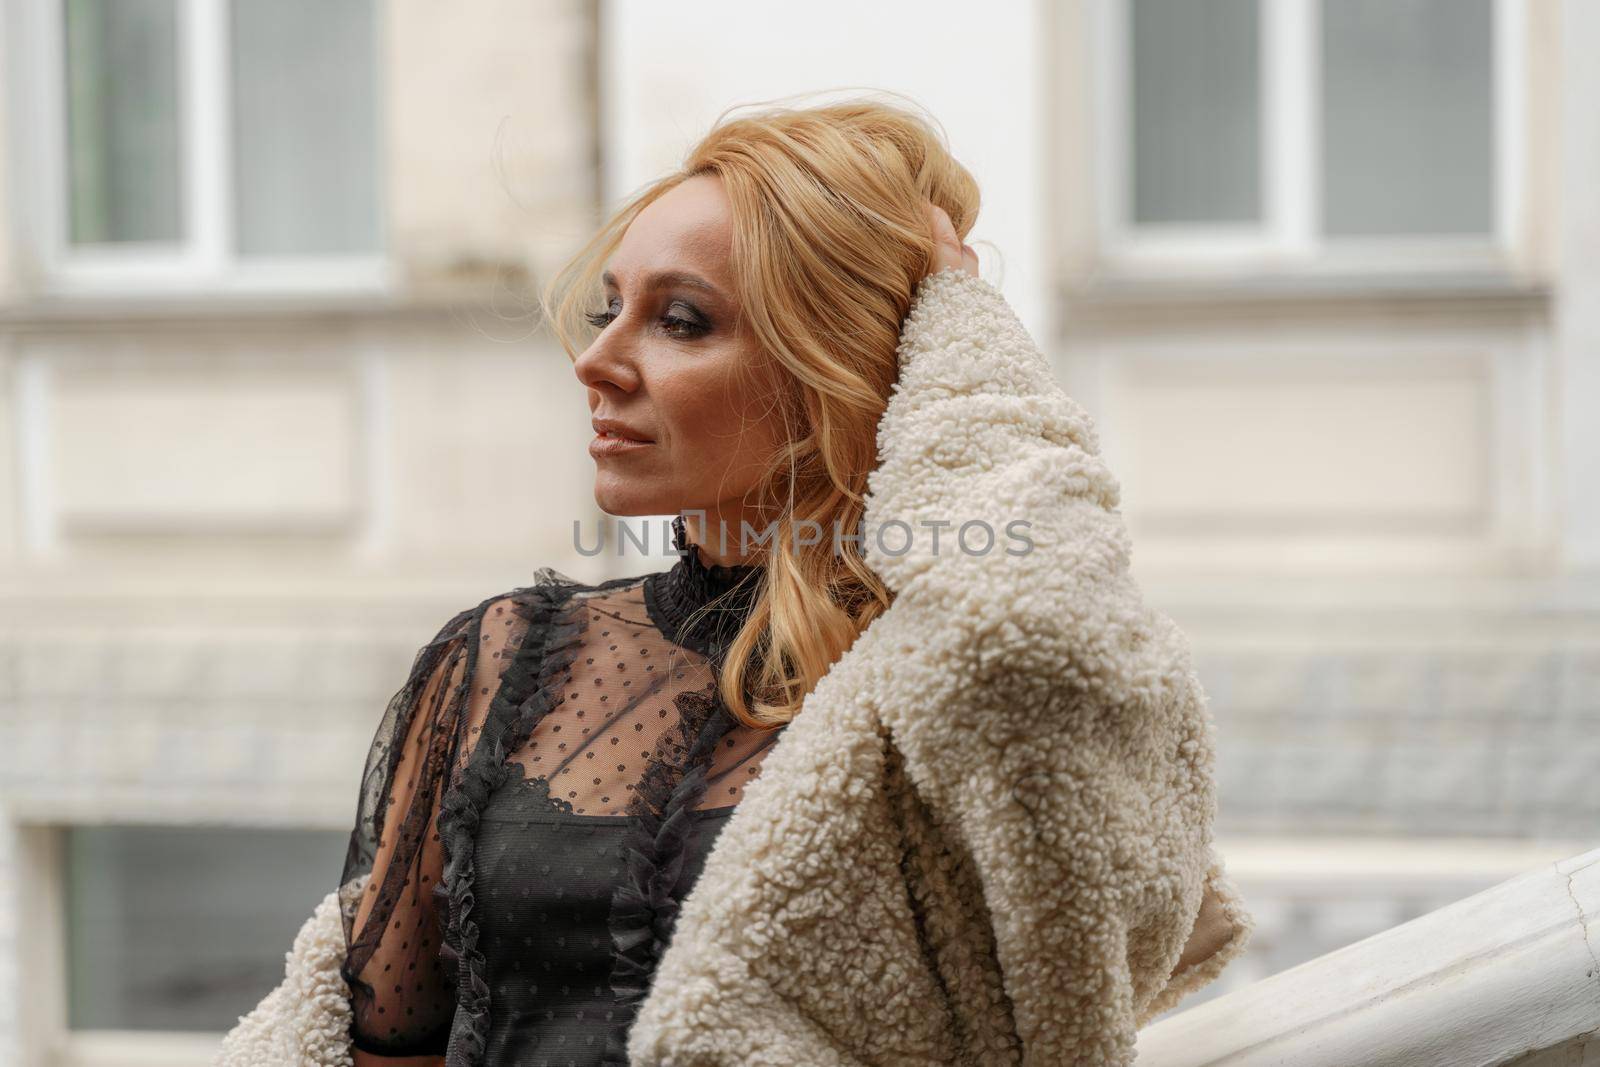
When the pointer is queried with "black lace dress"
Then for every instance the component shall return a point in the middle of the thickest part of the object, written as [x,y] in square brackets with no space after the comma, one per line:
[541,795]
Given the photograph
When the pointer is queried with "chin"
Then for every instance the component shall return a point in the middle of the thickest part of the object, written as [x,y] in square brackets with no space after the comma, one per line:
[628,496]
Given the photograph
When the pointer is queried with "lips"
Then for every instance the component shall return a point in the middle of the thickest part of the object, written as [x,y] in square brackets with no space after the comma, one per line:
[613,429]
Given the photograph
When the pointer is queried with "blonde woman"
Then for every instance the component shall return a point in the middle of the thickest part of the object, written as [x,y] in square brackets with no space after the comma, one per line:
[802,799]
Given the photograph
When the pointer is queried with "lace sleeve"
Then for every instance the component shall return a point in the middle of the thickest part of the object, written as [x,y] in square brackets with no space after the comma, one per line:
[402,999]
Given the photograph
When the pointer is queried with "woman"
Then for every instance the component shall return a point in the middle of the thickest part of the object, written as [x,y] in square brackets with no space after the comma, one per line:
[987,834]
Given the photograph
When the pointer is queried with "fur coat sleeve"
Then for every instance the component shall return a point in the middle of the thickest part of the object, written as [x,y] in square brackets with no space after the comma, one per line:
[988,837]
[305,1020]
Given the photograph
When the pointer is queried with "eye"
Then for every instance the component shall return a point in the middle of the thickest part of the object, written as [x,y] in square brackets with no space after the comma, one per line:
[681,327]
[675,325]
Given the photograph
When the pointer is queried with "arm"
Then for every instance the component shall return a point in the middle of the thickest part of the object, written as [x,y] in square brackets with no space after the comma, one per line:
[1052,719]
[986,835]
[333,1007]
[402,996]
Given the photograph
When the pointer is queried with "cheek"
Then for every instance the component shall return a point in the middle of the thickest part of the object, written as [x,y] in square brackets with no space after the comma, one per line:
[718,409]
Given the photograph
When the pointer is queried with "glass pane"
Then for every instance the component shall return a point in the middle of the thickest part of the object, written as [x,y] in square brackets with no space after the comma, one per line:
[124,152]
[1195,96]
[305,126]
[184,928]
[1408,117]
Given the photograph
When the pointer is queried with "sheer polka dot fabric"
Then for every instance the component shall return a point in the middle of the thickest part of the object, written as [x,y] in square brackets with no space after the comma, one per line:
[616,711]
[402,992]
[544,733]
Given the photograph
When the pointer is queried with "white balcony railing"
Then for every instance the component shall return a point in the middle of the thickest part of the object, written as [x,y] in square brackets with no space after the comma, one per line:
[1510,975]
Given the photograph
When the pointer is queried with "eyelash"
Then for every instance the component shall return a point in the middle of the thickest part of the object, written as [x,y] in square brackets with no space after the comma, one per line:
[601,319]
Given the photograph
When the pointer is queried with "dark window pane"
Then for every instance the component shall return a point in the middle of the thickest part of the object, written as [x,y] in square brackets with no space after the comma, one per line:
[179,928]
[1408,117]
[1195,98]
[124,158]
[305,108]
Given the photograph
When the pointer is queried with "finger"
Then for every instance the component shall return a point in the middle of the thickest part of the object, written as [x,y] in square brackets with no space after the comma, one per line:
[947,250]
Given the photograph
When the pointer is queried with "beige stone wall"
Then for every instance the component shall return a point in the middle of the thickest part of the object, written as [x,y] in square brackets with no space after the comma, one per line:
[492,133]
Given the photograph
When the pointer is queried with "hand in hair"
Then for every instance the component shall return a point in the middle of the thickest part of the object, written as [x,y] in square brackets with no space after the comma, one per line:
[948,249]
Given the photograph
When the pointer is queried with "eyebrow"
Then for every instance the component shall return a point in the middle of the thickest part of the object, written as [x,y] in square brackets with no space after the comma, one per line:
[664,278]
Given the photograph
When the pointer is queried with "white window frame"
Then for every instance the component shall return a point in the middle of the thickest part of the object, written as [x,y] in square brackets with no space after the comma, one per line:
[206,262]
[1287,240]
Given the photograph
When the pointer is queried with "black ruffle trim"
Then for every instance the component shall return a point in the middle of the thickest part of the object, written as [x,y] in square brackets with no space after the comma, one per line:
[644,906]
[523,698]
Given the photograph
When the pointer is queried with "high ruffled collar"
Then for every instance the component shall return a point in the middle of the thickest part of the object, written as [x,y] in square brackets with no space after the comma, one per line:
[673,597]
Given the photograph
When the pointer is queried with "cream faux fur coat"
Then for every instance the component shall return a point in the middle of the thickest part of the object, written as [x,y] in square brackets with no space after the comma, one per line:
[987,838]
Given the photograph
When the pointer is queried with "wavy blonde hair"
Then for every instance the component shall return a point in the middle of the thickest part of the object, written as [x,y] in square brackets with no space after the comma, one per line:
[830,239]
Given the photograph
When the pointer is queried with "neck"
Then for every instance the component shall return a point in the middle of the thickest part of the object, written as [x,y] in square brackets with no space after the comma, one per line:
[717,539]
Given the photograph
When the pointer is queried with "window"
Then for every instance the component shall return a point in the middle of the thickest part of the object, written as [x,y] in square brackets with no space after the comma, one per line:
[124,164]
[204,144]
[1407,117]
[1368,134]
[172,929]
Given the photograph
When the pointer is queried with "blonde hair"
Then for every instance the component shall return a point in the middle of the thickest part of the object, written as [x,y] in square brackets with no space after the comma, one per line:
[830,239]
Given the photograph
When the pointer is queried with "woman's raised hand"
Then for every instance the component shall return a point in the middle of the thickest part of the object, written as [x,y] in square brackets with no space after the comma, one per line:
[948,249]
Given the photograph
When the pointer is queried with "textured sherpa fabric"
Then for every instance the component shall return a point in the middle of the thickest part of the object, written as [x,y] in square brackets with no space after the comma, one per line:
[987,837]
[305,1021]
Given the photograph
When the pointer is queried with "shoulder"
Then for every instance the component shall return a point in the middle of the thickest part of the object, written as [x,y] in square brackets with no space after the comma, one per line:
[537,601]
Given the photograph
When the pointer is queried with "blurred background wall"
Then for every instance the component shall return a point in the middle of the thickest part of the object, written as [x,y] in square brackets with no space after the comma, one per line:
[274,404]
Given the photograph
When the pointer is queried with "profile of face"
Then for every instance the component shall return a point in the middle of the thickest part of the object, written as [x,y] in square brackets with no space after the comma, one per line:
[673,369]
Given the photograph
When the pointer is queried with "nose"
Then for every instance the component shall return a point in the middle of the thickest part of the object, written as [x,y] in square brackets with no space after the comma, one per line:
[608,363]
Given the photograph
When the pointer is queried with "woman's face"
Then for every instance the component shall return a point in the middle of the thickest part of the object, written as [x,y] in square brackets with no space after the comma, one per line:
[673,367]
